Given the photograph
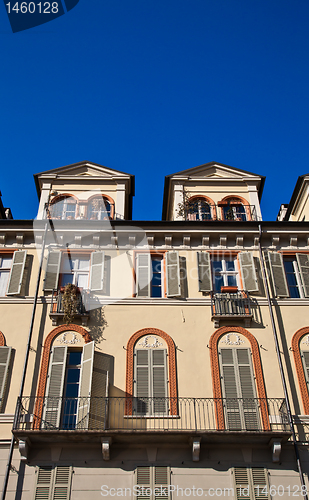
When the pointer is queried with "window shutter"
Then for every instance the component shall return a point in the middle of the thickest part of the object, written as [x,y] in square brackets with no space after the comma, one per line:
[62,483]
[159,380]
[242,484]
[83,403]
[99,392]
[143,479]
[17,272]
[172,274]
[97,271]
[247,389]
[248,272]
[52,271]
[43,483]
[260,484]
[204,272]
[143,275]
[303,264]
[305,358]
[230,389]
[278,274]
[5,357]
[54,389]
[142,381]
[161,482]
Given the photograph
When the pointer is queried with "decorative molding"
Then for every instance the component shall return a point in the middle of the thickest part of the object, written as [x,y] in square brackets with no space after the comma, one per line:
[196,448]
[2,340]
[240,241]
[106,443]
[228,341]
[45,362]
[78,240]
[150,240]
[132,241]
[145,344]
[216,376]
[114,240]
[275,444]
[205,241]
[72,341]
[223,241]
[171,365]
[256,241]
[275,241]
[24,446]
[6,418]
[96,240]
[2,239]
[293,241]
[186,241]
[20,238]
[299,366]
[168,240]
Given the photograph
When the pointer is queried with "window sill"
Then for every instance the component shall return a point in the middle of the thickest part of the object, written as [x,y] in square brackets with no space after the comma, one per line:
[170,417]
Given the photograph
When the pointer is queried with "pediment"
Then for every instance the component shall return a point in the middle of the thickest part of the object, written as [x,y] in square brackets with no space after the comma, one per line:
[83,169]
[214,171]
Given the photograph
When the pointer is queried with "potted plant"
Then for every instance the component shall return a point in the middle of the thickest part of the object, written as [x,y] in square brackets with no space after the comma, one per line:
[69,302]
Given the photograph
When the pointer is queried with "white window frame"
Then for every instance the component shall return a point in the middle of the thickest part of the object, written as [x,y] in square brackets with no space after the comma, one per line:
[296,273]
[6,270]
[64,200]
[224,271]
[75,272]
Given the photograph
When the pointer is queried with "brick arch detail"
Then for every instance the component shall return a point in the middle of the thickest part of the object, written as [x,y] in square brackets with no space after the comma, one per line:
[108,198]
[216,378]
[58,197]
[171,363]
[2,340]
[299,367]
[201,196]
[236,196]
[45,362]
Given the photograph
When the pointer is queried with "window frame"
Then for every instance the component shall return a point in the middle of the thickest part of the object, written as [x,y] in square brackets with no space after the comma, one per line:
[153,254]
[75,272]
[63,198]
[225,273]
[152,482]
[296,274]
[6,270]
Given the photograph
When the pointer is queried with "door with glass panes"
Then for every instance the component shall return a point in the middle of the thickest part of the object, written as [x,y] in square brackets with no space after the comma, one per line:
[150,382]
[241,407]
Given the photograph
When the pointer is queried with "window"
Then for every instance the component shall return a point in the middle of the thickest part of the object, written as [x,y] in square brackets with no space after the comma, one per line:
[251,483]
[63,208]
[76,378]
[150,377]
[5,269]
[53,482]
[290,274]
[238,388]
[234,211]
[152,482]
[99,208]
[198,209]
[151,269]
[85,271]
[5,358]
[215,271]
[12,269]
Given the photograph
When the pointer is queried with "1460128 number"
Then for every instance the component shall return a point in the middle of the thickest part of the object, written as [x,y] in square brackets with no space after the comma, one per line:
[31,7]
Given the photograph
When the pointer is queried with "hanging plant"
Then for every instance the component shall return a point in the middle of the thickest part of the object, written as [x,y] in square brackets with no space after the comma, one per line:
[69,302]
[229,214]
[187,206]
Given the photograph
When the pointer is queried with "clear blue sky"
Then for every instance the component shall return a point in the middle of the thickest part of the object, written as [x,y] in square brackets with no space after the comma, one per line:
[151,87]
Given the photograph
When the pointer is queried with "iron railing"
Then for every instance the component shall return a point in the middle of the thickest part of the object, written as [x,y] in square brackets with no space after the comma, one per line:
[229,212]
[82,305]
[230,304]
[151,414]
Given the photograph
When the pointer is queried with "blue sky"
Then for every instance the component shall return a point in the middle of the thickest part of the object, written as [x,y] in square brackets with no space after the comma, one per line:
[151,87]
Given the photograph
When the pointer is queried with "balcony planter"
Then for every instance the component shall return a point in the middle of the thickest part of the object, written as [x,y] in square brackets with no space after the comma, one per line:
[69,302]
[229,289]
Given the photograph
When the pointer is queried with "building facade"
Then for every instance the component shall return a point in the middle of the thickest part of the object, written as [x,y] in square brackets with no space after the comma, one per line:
[163,358]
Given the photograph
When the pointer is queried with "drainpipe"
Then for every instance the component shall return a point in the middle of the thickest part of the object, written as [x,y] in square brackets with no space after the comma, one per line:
[8,467]
[286,397]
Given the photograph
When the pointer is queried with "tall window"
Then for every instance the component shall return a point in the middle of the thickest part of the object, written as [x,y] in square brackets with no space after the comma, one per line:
[198,209]
[293,278]
[225,272]
[251,483]
[5,269]
[63,208]
[150,276]
[75,270]
[290,274]
[53,482]
[99,208]
[71,388]
[152,482]
[234,211]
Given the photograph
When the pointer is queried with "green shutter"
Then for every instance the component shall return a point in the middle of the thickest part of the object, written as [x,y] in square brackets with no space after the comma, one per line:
[172,274]
[248,272]
[17,272]
[159,380]
[85,380]
[303,264]
[52,271]
[97,271]
[278,274]
[204,272]
[5,357]
[143,275]
[99,392]
[54,389]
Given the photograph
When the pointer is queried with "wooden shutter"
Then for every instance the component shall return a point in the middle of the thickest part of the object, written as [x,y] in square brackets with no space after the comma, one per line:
[248,272]
[143,275]
[242,484]
[99,392]
[303,264]
[260,484]
[172,274]
[97,271]
[204,272]
[158,389]
[54,389]
[43,483]
[143,479]
[17,272]
[52,271]
[53,483]
[156,479]
[141,379]
[5,357]
[247,389]
[230,389]
[83,403]
[161,482]
[305,358]
[278,274]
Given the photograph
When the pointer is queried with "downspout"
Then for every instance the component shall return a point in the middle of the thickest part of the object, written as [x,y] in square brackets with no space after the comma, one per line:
[286,397]
[8,467]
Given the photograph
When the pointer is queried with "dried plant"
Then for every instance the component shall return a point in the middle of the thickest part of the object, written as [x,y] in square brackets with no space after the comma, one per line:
[69,303]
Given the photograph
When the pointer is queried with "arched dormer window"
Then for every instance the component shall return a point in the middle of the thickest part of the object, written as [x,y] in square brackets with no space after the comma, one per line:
[235,208]
[63,207]
[199,208]
[100,208]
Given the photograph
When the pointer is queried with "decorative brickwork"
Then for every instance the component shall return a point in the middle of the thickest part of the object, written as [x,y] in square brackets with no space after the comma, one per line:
[299,367]
[171,365]
[216,380]
[45,362]
[2,340]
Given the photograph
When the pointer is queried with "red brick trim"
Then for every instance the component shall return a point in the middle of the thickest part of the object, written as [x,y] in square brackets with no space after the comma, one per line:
[216,379]
[2,340]
[171,364]
[108,198]
[241,200]
[208,200]
[45,362]
[299,367]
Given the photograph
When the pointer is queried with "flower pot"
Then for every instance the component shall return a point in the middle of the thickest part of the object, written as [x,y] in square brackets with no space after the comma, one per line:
[229,289]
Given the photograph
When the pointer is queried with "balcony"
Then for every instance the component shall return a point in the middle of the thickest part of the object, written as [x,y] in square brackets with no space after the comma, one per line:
[91,419]
[230,305]
[220,212]
[56,308]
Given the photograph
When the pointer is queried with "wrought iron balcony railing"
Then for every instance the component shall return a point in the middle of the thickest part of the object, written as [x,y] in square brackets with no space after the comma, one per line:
[82,306]
[230,305]
[225,212]
[151,414]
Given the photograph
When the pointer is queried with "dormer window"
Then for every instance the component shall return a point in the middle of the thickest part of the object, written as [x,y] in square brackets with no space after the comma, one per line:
[199,208]
[100,208]
[234,209]
[63,208]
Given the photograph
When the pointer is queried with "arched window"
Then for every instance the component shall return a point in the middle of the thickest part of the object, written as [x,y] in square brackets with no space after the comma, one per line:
[233,208]
[100,208]
[198,209]
[63,207]
[300,347]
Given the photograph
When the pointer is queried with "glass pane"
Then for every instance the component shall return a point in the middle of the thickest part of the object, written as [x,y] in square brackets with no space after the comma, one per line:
[291,279]
[156,265]
[288,265]
[71,391]
[67,264]
[66,278]
[82,280]
[217,266]
[75,358]
[156,291]
[6,263]
[218,283]
[231,280]
[230,265]
[294,292]
[73,375]
[83,264]
[4,278]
